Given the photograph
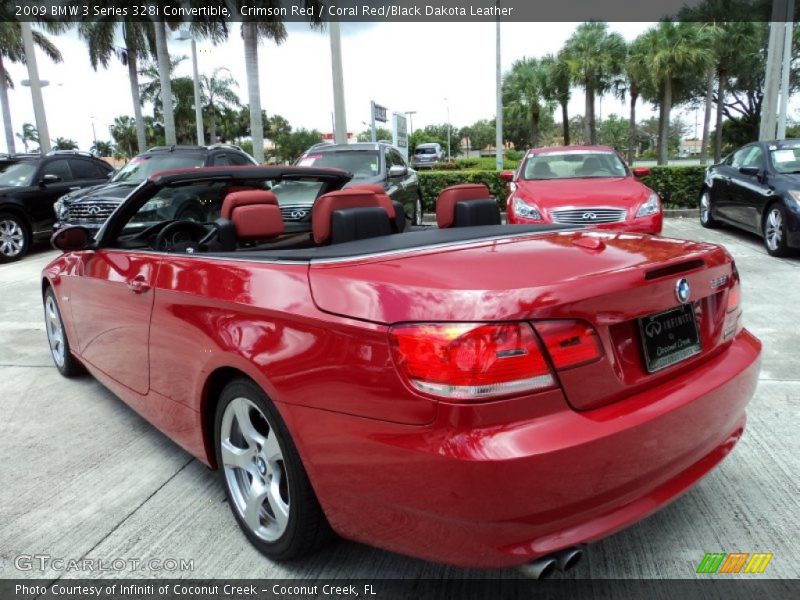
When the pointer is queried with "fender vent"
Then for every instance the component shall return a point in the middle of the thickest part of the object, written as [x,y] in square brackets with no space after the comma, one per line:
[680,267]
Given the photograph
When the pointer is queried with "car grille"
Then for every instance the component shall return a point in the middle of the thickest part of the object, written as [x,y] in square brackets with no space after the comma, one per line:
[587,216]
[96,212]
[295,212]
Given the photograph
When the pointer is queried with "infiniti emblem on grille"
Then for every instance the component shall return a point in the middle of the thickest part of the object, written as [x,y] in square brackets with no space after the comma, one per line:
[298,214]
[589,216]
[93,210]
[682,291]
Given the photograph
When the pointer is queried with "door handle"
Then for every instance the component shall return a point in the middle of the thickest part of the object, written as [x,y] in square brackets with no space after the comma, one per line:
[74,187]
[138,285]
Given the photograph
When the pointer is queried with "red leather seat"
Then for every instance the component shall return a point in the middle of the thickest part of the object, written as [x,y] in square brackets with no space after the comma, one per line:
[449,197]
[325,205]
[254,213]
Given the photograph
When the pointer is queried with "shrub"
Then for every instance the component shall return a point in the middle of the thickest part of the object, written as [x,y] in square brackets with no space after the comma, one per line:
[679,187]
[433,182]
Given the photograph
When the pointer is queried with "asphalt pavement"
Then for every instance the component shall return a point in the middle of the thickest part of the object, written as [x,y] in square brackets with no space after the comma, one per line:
[85,477]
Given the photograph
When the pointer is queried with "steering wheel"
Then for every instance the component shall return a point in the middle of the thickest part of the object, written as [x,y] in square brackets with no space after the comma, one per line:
[181,236]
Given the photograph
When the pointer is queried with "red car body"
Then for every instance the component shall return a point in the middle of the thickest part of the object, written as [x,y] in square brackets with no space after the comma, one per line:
[486,483]
[585,200]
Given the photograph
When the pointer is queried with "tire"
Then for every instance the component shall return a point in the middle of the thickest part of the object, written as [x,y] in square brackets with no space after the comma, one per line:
[707,220]
[286,521]
[66,364]
[418,210]
[774,230]
[15,237]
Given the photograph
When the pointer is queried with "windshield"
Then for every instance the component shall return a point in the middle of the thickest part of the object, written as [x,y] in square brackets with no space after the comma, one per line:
[361,163]
[425,151]
[17,175]
[786,160]
[573,164]
[141,167]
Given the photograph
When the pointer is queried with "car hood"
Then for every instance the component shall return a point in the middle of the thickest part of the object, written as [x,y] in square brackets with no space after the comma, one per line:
[526,276]
[106,192]
[617,192]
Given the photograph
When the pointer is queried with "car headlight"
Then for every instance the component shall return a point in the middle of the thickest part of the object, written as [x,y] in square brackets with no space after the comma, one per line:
[651,207]
[795,194]
[151,205]
[60,209]
[525,210]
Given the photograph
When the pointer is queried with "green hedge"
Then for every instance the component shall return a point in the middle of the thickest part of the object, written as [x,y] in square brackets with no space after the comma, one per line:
[679,187]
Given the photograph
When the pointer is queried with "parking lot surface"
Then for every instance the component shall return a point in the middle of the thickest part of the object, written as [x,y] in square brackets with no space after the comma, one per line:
[83,476]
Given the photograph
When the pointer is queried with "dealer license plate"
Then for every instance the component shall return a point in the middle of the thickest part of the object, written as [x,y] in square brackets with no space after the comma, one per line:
[669,337]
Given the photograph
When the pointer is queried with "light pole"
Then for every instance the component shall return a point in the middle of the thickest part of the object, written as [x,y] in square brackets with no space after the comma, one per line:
[36,87]
[94,134]
[183,36]
[410,114]
[447,105]
[340,119]
[498,119]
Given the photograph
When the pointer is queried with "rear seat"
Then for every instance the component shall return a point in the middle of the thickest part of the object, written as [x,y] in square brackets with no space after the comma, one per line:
[399,220]
[466,205]
[351,214]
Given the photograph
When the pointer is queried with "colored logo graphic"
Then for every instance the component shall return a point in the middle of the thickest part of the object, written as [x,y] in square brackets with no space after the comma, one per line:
[735,562]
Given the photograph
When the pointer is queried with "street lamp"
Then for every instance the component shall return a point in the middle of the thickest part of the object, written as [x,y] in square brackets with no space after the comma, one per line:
[410,114]
[184,35]
[447,104]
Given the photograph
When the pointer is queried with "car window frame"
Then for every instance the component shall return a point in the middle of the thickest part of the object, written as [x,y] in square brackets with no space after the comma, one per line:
[42,170]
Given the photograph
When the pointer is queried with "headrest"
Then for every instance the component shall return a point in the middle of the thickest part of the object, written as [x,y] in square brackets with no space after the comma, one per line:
[255,222]
[371,187]
[349,198]
[446,202]
[246,197]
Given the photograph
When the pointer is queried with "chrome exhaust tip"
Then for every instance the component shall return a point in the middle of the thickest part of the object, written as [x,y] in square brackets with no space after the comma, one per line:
[539,569]
[567,559]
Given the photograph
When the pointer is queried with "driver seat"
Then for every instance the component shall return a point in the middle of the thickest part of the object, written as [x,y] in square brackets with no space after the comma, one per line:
[248,216]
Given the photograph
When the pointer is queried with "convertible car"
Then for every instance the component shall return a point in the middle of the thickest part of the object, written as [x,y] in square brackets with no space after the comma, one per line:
[478,394]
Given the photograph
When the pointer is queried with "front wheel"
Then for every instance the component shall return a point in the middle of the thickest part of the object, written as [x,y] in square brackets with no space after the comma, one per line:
[774,231]
[14,238]
[265,482]
[707,220]
[66,364]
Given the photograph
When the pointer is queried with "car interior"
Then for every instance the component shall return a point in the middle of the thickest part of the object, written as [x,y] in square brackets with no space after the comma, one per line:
[573,165]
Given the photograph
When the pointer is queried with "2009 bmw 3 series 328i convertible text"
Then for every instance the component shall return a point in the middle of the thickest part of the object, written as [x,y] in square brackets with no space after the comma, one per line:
[476,394]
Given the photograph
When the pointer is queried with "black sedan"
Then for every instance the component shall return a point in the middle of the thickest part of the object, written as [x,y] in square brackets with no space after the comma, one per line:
[757,188]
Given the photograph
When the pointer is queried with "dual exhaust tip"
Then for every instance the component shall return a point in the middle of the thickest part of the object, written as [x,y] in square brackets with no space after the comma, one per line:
[545,566]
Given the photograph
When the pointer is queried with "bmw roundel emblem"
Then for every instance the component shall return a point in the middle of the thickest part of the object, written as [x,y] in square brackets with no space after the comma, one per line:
[683,291]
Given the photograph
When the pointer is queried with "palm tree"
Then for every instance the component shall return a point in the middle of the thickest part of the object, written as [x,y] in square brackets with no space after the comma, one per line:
[150,88]
[524,93]
[139,38]
[12,50]
[557,87]
[637,74]
[677,51]
[595,56]
[104,148]
[123,130]
[61,143]
[29,134]
[218,95]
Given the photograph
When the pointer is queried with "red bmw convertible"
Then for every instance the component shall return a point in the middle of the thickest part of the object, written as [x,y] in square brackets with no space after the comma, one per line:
[477,394]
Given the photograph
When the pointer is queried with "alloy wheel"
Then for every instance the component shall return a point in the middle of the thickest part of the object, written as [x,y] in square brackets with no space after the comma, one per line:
[55,330]
[705,207]
[254,467]
[773,231]
[418,212]
[12,238]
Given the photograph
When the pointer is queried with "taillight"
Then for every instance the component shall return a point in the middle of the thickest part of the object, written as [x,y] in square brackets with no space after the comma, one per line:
[733,317]
[470,361]
[569,343]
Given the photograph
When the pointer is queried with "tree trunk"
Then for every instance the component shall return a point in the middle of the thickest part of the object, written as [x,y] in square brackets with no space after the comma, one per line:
[535,125]
[162,53]
[212,126]
[634,92]
[722,76]
[666,107]
[707,116]
[588,126]
[7,125]
[565,122]
[254,93]
[133,78]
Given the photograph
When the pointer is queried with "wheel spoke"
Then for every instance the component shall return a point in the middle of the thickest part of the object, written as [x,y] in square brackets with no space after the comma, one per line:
[271,448]
[249,432]
[254,500]
[239,458]
[279,508]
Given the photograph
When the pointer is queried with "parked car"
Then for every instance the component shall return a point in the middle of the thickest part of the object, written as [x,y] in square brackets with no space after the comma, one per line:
[427,156]
[394,386]
[757,189]
[589,185]
[91,207]
[30,185]
[370,163]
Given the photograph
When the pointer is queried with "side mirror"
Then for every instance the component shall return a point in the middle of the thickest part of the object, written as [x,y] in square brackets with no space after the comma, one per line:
[506,175]
[49,178]
[751,171]
[396,171]
[70,239]
[111,174]
[640,172]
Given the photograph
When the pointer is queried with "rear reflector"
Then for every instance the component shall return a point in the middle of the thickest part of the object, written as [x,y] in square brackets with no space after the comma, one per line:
[569,343]
[470,361]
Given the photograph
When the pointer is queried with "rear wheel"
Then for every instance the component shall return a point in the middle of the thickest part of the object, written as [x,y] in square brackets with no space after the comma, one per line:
[265,481]
[14,237]
[66,364]
[707,220]
[774,231]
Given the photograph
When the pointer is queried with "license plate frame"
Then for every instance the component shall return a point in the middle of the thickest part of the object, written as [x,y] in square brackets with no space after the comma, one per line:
[660,332]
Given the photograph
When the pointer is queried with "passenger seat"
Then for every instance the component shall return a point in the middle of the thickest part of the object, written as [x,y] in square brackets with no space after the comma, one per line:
[466,205]
[248,216]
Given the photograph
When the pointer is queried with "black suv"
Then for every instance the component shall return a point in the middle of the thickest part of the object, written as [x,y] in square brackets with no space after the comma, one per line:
[29,186]
[91,207]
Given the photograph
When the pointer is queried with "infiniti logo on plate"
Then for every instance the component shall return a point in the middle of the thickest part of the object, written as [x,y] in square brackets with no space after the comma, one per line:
[682,291]
[589,216]
[652,329]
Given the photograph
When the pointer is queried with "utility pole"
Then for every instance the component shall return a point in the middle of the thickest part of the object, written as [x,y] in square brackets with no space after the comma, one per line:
[781,14]
[340,119]
[447,103]
[498,119]
[36,87]
[786,67]
[410,114]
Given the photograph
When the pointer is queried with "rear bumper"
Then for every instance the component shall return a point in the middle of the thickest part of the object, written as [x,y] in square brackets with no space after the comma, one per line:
[481,487]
